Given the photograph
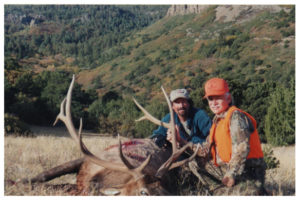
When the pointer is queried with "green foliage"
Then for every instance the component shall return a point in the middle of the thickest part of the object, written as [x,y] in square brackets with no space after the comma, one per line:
[14,126]
[157,109]
[283,19]
[280,118]
[11,64]
[96,115]
[9,97]
[256,102]
[36,99]
[97,83]
[269,158]
[26,84]
[249,55]
[207,50]
[78,30]
[224,69]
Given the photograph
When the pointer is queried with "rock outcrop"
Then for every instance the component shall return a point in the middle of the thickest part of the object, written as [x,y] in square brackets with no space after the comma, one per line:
[186,9]
[224,13]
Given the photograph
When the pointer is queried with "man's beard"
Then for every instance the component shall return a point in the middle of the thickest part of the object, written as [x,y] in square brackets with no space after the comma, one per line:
[183,112]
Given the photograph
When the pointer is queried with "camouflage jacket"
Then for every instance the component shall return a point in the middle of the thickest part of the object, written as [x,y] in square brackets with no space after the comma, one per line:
[240,129]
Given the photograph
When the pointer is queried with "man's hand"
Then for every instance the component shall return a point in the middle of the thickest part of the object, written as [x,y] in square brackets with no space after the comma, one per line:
[170,136]
[228,181]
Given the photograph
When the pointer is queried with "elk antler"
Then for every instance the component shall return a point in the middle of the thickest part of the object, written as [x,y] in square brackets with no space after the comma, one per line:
[169,164]
[65,116]
[127,167]
[150,117]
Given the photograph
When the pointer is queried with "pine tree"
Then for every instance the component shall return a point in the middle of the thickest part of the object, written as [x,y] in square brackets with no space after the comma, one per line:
[280,118]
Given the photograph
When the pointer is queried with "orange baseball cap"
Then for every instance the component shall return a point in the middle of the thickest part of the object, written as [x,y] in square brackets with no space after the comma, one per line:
[215,87]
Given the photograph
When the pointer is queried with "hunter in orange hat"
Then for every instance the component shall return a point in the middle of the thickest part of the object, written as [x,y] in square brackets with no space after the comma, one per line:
[233,144]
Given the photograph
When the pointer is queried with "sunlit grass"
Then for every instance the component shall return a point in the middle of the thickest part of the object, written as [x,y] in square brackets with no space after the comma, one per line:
[27,157]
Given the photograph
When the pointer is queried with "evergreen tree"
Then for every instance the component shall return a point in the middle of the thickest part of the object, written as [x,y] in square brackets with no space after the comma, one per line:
[280,118]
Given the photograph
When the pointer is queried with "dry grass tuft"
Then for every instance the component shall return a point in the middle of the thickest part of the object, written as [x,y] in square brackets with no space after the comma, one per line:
[26,157]
[281,181]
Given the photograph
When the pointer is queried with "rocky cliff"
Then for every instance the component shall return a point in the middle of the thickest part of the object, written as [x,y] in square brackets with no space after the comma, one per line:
[224,13]
[186,9]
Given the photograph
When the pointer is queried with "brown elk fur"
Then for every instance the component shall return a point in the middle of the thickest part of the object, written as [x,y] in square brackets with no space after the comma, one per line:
[92,177]
[123,169]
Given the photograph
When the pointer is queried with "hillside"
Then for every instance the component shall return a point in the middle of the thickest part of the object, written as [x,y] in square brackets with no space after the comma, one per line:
[172,51]
[118,52]
[177,50]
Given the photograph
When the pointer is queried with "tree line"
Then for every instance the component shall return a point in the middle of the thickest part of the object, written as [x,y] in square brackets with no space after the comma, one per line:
[35,99]
[255,73]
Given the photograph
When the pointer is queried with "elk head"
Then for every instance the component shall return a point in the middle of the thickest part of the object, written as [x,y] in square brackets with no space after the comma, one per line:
[137,184]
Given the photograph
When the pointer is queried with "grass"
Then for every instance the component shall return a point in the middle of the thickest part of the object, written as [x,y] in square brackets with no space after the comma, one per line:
[26,157]
[281,181]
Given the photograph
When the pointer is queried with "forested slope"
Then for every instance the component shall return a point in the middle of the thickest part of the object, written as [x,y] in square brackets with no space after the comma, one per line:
[123,51]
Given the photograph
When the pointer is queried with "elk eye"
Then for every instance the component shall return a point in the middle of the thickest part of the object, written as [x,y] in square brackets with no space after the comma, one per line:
[144,193]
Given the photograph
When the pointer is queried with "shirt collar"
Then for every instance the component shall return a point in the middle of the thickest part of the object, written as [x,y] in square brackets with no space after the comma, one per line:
[220,116]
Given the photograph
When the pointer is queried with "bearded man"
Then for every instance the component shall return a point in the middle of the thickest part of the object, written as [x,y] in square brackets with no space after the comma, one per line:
[191,124]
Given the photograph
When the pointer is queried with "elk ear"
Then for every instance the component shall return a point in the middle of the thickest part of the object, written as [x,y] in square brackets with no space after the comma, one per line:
[110,191]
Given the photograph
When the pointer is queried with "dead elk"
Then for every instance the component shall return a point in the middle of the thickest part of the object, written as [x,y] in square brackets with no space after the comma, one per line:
[134,167]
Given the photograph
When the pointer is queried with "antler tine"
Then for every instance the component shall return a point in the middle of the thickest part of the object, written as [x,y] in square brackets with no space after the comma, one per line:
[169,164]
[65,112]
[61,114]
[182,162]
[139,169]
[98,161]
[65,116]
[127,167]
[125,161]
[172,121]
[148,116]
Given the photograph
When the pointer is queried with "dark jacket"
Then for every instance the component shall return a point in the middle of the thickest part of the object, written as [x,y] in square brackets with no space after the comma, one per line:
[198,122]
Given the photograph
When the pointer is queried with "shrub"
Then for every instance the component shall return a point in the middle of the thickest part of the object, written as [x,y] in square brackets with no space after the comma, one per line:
[189,73]
[208,50]
[270,160]
[97,83]
[14,126]
[280,118]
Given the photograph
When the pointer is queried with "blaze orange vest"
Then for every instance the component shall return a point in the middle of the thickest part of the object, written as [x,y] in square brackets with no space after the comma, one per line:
[220,135]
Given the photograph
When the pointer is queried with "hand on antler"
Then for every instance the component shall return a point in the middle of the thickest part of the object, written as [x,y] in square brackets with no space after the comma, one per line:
[170,135]
[179,141]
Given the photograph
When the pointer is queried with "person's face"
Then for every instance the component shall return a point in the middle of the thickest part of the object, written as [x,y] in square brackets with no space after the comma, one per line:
[181,106]
[218,104]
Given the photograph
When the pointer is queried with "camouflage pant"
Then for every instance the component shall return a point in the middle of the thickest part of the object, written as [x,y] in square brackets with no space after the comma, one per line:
[251,182]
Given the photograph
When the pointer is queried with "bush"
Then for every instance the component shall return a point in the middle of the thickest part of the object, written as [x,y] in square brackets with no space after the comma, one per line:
[14,126]
[208,50]
[270,160]
[280,118]
[97,82]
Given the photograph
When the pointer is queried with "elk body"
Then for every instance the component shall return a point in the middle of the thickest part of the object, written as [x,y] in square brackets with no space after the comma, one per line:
[134,167]
[108,181]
